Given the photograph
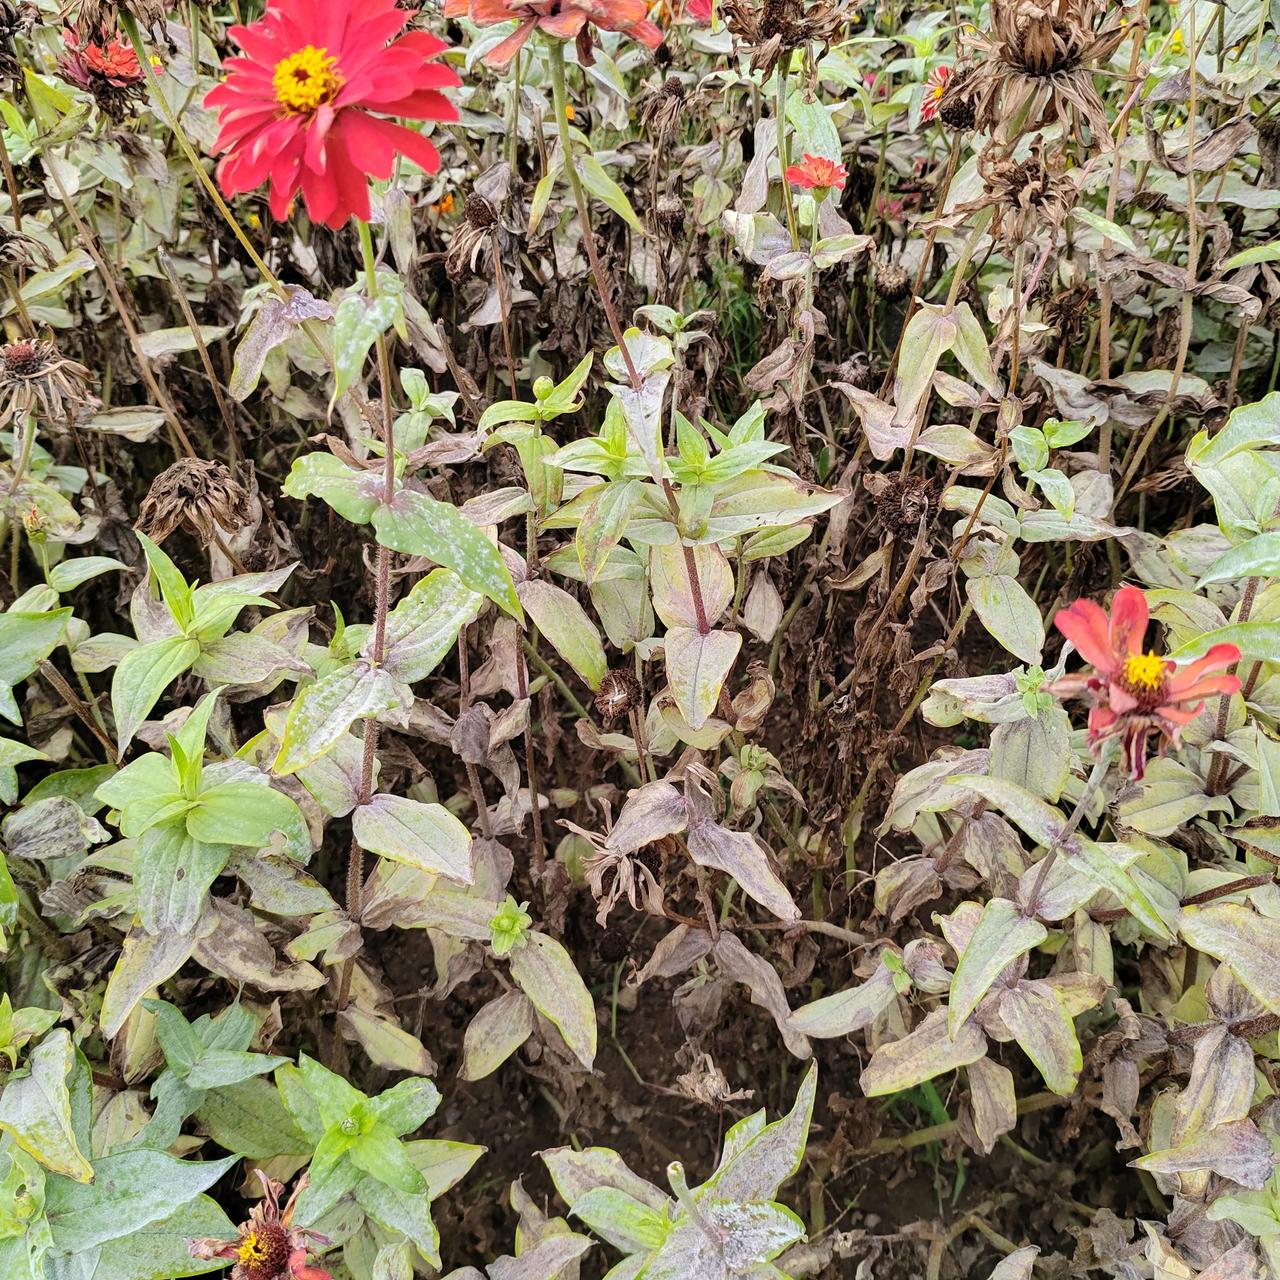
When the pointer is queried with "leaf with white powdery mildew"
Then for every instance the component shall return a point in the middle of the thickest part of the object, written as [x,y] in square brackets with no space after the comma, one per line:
[425,836]
[325,710]
[568,629]
[927,1052]
[545,972]
[737,854]
[1001,936]
[697,666]
[1041,1025]
[1242,938]
[35,1109]
[417,524]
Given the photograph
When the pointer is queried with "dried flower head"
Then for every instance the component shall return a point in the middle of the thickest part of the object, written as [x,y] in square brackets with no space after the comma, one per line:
[1038,67]
[22,250]
[955,103]
[34,373]
[774,29]
[197,495]
[1136,693]
[17,17]
[892,281]
[97,17]
[267,1247]
[619,692]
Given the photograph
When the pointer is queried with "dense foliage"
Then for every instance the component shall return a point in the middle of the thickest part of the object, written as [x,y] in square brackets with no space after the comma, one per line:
[639,641]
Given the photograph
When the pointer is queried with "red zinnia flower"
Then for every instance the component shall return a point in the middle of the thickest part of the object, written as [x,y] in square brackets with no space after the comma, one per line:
[699,10]
[305,106]
[935,87]
[1136,693]
[267,1246]
[817,173]
[564,19]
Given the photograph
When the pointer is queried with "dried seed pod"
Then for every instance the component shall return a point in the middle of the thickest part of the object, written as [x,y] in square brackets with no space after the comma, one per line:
[619,692]
[892,281]
[197,495]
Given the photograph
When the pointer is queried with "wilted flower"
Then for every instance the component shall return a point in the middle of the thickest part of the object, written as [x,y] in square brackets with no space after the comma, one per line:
[20,249]
[267,1247]
[33,372]
[563,19]
[817,174]
[195,494]
[1039,67]
[306,106]
[935,87]
[618,694]
[774,29]
[99,16]
[1134,693]
[1031,198]
[108,69]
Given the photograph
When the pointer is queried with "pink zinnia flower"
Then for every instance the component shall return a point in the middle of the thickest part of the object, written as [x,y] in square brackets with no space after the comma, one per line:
[935,87]
[1136,693]
[699,10]
[306,106]
[817,173]
[563,19]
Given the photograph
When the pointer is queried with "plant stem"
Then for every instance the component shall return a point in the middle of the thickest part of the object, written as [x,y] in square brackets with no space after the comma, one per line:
[382,584]
[560,100]
[784,147]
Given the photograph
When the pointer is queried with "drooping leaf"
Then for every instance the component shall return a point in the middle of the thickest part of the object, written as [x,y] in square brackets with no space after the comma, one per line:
[545,972]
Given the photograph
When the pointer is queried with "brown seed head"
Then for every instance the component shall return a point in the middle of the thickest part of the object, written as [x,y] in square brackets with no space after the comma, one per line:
[195,494]
[892,281]
[619,692]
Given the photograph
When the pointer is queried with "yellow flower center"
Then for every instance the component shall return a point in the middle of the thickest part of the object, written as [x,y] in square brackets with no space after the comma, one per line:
[307,79]
[1144,670]
[253,1251]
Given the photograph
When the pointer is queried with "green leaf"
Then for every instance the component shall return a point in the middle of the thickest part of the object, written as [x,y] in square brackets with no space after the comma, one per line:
[409,1215]
[613,1214]
[545,972]
[603,187]
[26,639]
[1255,640]
[1041,1025]
[406,1106]
[1259,557]
[250,1120]
[425,836]
[142,677]
[129,1190]
[1105,227]
[420,525]
[1002,934]
[568,628]
[69,574]
[1269,252]
[242,813]
[172,875]
[378,1153]
[35,1109]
